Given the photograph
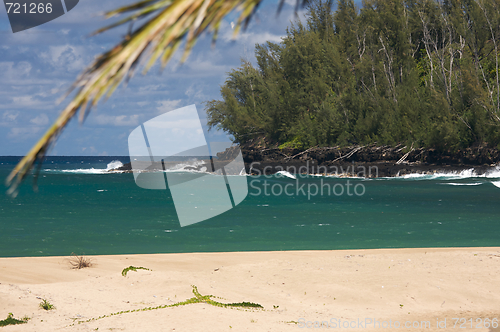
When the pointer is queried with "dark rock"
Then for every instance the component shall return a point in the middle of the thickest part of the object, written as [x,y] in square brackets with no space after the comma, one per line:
[367,161]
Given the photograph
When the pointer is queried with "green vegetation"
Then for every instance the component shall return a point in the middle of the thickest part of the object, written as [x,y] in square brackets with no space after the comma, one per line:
[198,298]
[46,305]
[133,268]
[422,72]
[10,320]
[79,262]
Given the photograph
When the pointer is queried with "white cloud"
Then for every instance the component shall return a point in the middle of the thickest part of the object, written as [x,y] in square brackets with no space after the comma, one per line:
[260,38]
[10,116]
[11,70]
[24,101]
[41,120]
[118,120]
[21,133]
[250,37]
[204,66]
[167,105]
[39,65]
[65,57]
[151,87]
[195,92]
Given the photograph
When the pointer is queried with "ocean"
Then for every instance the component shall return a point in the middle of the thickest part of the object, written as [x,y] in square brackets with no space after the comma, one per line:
[81,208]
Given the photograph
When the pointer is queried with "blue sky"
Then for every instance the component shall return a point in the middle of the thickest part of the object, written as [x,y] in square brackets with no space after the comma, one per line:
[38,65]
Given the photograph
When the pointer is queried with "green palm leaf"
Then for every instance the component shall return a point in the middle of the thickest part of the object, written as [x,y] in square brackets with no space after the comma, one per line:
[168,23]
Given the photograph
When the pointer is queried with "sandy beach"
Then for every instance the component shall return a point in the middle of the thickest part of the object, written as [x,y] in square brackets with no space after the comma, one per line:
[299,290]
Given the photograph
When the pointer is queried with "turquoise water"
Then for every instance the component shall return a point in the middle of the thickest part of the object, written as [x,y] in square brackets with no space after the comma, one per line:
[78,208]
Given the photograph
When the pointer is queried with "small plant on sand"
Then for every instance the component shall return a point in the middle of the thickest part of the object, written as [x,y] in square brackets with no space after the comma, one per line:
[46,305]
[198,298]
[10,320]
[79,262]
[133,268]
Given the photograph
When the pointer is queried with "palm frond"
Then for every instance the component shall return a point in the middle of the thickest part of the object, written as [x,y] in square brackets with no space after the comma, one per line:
[169,22]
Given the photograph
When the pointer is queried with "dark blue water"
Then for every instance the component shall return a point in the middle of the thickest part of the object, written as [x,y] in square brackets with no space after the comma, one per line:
[81,208]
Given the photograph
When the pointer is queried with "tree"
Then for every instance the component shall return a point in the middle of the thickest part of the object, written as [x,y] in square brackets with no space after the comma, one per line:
[423,72]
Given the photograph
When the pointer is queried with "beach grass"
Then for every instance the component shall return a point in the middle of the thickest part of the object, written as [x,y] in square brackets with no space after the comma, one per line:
[198,298]
[133,268]
[46,305]
[79,262]
[10,320]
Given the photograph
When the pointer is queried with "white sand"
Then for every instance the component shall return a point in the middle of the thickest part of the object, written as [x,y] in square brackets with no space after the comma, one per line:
[305,286]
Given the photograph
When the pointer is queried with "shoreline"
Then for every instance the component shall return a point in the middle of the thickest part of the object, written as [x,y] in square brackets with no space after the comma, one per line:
[416,249]
[361,161]
[399,284]
[388,161]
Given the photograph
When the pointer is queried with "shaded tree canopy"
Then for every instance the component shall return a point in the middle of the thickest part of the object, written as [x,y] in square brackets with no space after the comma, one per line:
[421,72]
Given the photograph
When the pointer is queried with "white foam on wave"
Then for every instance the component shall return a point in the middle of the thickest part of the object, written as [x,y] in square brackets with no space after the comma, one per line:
[190,163]
[287,174]
[468,173]
[114,164]
[465,174]
[185,168]
[342,176]
[496,183]
[109,167]
[494,173]
[80,171]
[462,184]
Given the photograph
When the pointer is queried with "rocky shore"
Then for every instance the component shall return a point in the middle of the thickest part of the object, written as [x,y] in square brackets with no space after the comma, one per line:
[368,161]
[364,161]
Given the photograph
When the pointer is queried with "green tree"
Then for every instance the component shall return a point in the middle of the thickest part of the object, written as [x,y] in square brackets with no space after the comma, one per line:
[420,72]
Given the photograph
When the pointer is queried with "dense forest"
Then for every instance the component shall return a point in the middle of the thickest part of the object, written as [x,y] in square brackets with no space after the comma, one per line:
[423,73]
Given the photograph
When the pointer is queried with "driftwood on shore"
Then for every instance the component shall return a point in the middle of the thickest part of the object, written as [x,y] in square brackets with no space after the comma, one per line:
[388,160]
[368,160]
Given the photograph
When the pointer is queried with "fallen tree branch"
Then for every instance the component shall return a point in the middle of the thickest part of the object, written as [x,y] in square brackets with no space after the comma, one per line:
[298,154]
[406,155]
[353,151]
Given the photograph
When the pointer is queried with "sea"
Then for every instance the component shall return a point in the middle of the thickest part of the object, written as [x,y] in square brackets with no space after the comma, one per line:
[79,206]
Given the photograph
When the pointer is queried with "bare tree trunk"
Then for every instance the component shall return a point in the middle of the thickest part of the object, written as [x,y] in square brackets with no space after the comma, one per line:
[441,45]
[446,43]
[494,39]
[361,51]
[388,70]
[462,45]
[427,46]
